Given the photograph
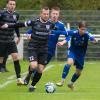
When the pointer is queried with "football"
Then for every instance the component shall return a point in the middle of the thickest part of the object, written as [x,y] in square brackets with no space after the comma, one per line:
[50,87]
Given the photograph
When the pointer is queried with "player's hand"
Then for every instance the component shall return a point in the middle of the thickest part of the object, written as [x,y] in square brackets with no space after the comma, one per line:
[17,40]
[4,26]
[29,36]
[60,43]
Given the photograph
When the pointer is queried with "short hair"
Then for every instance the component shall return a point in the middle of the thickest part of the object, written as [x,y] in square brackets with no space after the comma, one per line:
[55,8]
[82,24]
[45,8]
[10,0]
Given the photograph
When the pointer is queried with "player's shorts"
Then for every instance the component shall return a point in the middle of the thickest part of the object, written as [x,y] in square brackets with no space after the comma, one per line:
[38,55]
[8,48]
[78,61]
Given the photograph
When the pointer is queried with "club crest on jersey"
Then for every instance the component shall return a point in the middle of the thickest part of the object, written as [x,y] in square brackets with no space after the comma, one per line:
[47,27]
[14,17]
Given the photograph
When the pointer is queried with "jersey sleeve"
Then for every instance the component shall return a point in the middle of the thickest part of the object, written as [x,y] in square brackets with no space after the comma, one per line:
[21,24]
[17,32]
[70,32]
[68,39]
[59,32]
[91,37]
[0,14]
[29,31]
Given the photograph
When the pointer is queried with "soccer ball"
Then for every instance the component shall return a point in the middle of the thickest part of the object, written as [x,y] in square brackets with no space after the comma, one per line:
[50,87]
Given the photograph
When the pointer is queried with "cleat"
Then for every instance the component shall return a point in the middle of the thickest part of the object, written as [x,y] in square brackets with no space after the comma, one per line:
[71,86]
[60,84]
[20,81]
[27,79]
[32,88]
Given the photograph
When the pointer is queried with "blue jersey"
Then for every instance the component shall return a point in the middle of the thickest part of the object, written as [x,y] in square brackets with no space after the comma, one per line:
[79,42]
[53,37]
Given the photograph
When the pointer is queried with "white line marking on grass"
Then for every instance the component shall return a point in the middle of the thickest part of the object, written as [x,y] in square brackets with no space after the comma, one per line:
[6,83]
[12,77]
[48,67]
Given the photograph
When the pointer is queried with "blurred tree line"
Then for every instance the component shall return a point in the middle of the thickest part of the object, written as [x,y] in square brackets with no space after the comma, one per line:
[63,4]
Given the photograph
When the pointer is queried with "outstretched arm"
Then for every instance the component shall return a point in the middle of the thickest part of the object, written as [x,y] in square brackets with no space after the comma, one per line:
[61,43]
[92,39]
[18,25]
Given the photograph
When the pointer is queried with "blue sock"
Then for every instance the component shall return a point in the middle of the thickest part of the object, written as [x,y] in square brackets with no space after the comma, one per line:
[74,77]
[65,71]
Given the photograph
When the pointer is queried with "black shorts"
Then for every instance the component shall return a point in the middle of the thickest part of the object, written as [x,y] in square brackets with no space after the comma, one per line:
[8,48]
[39,55]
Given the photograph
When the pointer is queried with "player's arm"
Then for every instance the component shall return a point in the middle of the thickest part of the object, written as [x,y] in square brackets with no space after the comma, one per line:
[28,34]
[1,15]
[92,38]
[18,25]
[18,35]
[64,41]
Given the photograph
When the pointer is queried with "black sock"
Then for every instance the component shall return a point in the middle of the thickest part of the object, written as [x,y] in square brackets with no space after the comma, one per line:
[17,68]
[0,65]
[36,78]
[29,71]
[4,61]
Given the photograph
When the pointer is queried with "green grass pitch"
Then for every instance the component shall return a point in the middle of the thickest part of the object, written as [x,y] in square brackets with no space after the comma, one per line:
[86,88]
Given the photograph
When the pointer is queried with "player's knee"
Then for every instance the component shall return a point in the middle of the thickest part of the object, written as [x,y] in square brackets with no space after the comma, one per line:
[15,56]
[41,68]
[33,65]
[70,62]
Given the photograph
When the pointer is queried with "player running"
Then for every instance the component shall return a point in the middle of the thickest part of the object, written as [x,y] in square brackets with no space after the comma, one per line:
[76,53]
[7,42]
[52,40]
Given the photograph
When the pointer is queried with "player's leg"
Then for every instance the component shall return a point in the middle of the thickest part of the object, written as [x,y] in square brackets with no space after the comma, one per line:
[66,68]
[76,75]
[31,73]
[42,61]
[65,72]
[33,64]
[12,49]
[1,63]
[28,76]
[4,63]
[2,54]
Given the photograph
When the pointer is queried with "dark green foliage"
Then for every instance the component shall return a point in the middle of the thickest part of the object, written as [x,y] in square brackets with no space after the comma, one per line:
[64,4]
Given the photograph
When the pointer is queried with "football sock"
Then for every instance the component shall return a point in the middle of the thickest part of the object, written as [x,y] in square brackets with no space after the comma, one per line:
[36,78]
[4,61]
[74,77]
[65,71]
[0,65]
[17,68]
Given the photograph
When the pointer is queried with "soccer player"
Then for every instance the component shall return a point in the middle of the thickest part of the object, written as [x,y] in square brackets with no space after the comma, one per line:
[76,53]
[7,43]
[38,44]
[4,69]
[52,40]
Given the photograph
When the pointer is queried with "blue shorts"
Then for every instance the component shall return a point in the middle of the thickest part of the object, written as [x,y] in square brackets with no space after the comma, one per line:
[78,61]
